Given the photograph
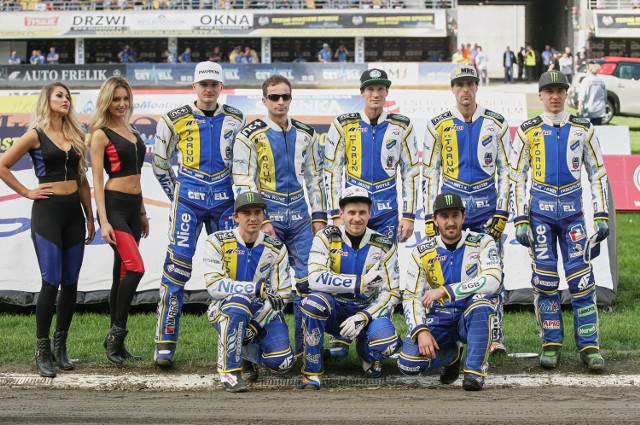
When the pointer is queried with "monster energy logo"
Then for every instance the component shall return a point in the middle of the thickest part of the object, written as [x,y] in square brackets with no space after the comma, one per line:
[448,199]
[250,197]
[554,76]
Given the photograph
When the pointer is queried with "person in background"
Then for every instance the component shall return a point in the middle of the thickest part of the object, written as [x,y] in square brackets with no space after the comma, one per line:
[508,60]
[55,142]
[124,56]
[566,64]
[482,64]
[52,57]
[520,56]
[592,96]
[457,56]
[185,57]
[341,53]
[118,149]
[324,55]
[168,57]
[14,59]
[216,55]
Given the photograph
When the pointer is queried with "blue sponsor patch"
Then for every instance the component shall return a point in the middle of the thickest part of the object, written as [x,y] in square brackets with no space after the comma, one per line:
[264,267]
[471,269]
[391,143]
[574,144]
[486,140]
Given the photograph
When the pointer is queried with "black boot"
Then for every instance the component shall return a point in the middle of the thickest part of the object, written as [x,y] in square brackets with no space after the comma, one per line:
[44,363]
[115,341]
[126,355]
[59,350]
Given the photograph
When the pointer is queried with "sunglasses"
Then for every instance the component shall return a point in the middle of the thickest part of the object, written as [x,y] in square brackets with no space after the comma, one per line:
[276,97]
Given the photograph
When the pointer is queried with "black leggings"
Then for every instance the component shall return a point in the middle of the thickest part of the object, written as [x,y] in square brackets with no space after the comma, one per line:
[123,213]
[58,233]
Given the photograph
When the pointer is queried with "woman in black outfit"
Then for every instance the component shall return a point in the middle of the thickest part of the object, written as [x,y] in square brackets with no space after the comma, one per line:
[118,149]
[55,141]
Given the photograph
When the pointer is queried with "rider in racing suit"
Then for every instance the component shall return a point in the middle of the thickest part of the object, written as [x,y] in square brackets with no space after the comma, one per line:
[277,157]
[365,149]
[468,147]
[447,298]
[353,277]
[555,146]
[247,276]
[202,135]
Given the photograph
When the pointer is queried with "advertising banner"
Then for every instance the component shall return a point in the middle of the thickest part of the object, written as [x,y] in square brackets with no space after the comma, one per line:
[224,23]
[617,23]
[624,175]
[73,75]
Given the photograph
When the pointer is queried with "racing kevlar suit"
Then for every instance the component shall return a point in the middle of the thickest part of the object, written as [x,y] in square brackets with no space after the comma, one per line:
[472,160]
[248,325]
[337,292]
[368,155]
[279,164]
[201,193]
[471,274]
[553,208]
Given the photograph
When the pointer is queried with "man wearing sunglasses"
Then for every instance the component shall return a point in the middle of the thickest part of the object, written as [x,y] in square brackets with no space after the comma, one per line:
[278,156]
[201,135]
[366,149]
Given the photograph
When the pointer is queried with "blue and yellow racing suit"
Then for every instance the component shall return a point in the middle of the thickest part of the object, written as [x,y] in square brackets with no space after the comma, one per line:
[368,155]
[201,193]
[247,325]
[555,154]
[470,274]
[336,273]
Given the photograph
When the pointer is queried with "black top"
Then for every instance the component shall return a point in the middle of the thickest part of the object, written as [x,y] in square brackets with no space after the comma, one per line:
[121,156]
[51,163]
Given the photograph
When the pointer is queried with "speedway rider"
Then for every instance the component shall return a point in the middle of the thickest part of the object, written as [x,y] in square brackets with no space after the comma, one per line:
[365,149]
[353,278]
[465,152]
[202,135]
[278,157]
[247,275]
[447,299]
[555,146]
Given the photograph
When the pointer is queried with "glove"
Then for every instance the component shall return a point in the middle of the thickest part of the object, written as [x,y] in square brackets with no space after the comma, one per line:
[253,328]
[374,278]
[524,235]
[267,293]
[430,228]
[495,226]
[353,325]
[602,229]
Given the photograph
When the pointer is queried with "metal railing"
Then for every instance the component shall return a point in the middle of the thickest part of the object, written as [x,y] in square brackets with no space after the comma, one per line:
[71,5]
[614,4]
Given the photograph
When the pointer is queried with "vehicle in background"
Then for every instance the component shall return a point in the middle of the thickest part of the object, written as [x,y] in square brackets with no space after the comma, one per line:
[621,76]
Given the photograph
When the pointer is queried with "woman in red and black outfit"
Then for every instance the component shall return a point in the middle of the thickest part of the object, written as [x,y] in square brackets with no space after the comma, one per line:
[118,149]
[55,142]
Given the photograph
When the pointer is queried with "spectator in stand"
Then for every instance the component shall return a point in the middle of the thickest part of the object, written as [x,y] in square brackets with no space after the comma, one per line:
[133,55]
[482,62]
[236,55]
[33,60]
[250,56]
[324,55]
[457,57]
[124,56]
[520,57]
[14,59]
[341,53]
[508,60]
[216,55]
[52,57]
[168,57]
[185,57]
[566,64]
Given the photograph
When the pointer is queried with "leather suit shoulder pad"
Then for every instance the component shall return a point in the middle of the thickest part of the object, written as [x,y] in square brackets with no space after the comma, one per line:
[224,235]
[379,239]
[180,112]
[474,238]
[399,118]
[427,246]
[582,122]
[302,127]
[232,111]
[494,115]
[531,123]
[332,232]
[443,116]
[273,241]
[351,116]
[253,127]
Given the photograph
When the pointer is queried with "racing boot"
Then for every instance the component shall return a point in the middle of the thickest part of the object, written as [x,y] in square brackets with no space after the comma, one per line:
[115,341]
[592,358]
[550,356]
[163,356]
[338,347]
[372,370]
[310,382]
[233,382]
[451,372]
[44,362]
[497,347]
[472,382]
[59,350]
[250,371]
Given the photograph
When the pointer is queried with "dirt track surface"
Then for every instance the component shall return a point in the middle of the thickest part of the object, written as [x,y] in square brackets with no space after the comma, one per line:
[370,406]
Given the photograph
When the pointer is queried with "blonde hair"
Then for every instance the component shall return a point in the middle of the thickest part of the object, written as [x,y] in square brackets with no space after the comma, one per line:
[105,96]
[72,128]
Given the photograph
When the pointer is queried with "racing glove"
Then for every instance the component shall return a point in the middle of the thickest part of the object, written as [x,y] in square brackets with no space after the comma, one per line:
[495,225]
[253,329]
[430,228]
[602,229]
[353,325]
[267,293]
[374,279]
[524,235]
